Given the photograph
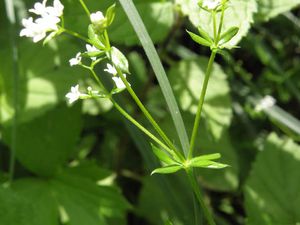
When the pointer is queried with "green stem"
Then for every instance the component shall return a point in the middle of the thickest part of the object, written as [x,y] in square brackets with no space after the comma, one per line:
[85,8]
[75,34]
[200,104]
[199,197]
[214,24]
[126,115]
[221,24]
[147,114]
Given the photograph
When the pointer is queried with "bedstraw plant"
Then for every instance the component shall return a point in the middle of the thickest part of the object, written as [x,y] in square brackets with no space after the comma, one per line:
[50,24]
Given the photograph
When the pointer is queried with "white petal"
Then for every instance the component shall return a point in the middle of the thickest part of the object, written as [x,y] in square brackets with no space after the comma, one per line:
[97,17]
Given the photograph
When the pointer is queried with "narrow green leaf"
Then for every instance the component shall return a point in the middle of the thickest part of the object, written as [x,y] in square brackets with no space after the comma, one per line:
[199,40]
[167,169]
[228,35]
[110,14]
[206,157]
[204,34]
[158,69]
[163,156]
[208,164]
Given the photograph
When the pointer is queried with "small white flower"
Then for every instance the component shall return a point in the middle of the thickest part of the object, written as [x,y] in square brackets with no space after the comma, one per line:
[211,4]
[48,20]
[74,94]
[39,8]
[76,60]
[90,48]
[119,83]
[265,103]
[111,69]
[97,17]
[58,8]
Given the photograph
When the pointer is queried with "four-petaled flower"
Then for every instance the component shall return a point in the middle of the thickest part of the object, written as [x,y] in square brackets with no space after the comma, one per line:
[48,20]
[74,94]
[76,60]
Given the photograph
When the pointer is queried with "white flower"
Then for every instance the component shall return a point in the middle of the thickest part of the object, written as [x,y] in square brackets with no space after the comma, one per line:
[48,20]
[97,17]
[211,4]
[111,69]
[76,60]
[265,103]
[90,48]
[119,83]
[74,94]
[32,30]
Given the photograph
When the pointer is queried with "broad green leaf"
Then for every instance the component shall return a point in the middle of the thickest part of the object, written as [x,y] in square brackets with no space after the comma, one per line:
[199,40]
[45,77]
[71,197]
[186,78]
[167,169]
[15,209]
[161,155]
[272,190]
[45,143]
[205,157]
[39,195]
[239,14]
[158,17]
[152,195]
[268,9]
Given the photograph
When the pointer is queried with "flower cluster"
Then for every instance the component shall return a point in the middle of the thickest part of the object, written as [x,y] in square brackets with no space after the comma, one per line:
[48,20]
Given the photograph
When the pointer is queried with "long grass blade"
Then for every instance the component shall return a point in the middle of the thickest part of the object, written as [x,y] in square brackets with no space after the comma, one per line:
[158,69]
[10,13]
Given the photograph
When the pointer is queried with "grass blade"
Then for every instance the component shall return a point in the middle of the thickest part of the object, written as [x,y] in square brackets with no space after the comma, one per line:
[158,69]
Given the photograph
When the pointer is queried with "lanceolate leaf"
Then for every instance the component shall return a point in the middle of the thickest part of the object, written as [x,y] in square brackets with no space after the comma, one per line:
[204,34]
[228,35]
[208,164]
[164,157]
[199,40]
[239,14]
[167,169]
[206,157]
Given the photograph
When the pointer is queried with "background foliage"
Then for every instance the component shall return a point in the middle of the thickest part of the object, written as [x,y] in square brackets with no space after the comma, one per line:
[86,165]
